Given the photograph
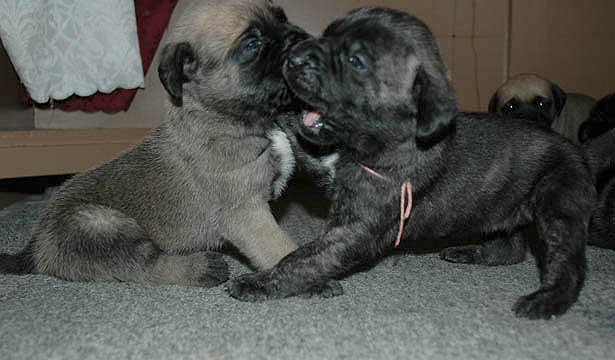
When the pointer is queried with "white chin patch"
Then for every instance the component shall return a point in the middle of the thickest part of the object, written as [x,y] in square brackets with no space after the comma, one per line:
[280,145]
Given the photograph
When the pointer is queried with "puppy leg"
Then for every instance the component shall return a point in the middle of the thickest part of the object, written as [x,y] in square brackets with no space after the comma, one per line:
[561,216]
[257,235]
[97,243]
[203,268]
[314,266]
[503,250]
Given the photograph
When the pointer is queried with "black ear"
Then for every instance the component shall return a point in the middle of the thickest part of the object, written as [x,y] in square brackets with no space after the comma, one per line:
[559,99]
[585,132]
[172,70]
[494,103]
[436,107]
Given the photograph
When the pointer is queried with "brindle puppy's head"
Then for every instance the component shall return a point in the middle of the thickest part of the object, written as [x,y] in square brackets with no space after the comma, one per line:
[601,119]
[228,55]
[373,80]
[529,97]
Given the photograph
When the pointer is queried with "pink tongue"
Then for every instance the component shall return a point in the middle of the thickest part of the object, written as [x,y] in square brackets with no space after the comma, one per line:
[311,118]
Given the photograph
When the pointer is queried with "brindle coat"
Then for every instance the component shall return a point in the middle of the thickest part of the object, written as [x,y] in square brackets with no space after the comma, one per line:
[380,91]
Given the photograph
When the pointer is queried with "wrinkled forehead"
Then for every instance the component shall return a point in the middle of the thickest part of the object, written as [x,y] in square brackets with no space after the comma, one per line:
[372,32]
[218,23]
[525,88]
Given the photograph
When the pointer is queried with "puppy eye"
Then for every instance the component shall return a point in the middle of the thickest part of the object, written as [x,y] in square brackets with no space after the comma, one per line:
[509,107]
[253,45]
[356,63]
[540,102]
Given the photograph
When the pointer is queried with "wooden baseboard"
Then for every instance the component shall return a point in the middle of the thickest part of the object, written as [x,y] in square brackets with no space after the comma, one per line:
[26,153]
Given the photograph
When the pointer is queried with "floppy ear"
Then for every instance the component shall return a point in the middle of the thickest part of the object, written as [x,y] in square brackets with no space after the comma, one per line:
[493,103]
[559,99]
[436,106]
[172,71]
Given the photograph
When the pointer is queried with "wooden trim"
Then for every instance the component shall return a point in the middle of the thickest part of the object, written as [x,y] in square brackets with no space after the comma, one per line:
[26,153]
[34,138]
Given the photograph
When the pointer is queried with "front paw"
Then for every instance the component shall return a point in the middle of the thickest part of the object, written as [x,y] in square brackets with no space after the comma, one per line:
[252,287]
[543,304]
[327,290]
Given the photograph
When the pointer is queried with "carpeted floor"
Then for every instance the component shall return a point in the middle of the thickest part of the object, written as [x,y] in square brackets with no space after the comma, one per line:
[407,307]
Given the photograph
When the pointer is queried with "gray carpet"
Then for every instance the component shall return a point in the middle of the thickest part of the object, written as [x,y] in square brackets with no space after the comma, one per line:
[410,307]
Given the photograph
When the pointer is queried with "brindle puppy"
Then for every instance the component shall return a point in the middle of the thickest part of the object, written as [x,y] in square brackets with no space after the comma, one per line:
[601,119]
[376,85]
[200,180]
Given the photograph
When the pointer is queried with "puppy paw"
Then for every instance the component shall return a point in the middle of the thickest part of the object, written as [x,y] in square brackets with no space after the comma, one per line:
[251,287]
[328,290]
[470,254]
[542,304]
[212,269]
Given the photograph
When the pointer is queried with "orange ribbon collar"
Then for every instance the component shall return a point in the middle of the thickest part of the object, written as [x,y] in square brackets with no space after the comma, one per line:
[406,192]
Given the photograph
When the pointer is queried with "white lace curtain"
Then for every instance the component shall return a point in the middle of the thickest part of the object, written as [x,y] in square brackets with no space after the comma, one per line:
[65,47]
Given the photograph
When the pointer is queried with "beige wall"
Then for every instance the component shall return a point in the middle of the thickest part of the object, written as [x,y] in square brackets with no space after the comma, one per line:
[568,41]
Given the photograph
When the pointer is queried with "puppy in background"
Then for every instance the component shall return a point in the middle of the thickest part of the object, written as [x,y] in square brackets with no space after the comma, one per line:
[597,136]
[540,101]
[201,180]
[601,119]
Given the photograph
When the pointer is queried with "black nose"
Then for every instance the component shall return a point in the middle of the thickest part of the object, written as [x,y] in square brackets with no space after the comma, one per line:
[296,61]
[302,56]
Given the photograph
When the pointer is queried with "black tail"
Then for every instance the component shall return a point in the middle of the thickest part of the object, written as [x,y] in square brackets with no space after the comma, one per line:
[18,264]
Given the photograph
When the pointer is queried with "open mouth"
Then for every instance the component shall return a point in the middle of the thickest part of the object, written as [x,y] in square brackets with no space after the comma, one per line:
[302,89]
[313,122]
[312,119]
[314,127]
